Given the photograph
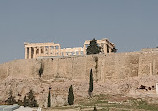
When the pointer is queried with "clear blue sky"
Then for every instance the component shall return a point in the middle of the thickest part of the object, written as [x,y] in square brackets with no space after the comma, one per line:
[130,24]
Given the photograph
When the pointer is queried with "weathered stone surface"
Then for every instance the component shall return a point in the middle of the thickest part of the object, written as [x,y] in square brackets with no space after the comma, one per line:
[110,66]
[120,73]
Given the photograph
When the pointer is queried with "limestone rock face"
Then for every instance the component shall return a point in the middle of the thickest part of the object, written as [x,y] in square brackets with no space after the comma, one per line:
[59,90]
[58,100]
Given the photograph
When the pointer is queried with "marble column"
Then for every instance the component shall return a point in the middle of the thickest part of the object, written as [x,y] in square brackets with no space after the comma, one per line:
[110,49]
[34,54]
[84,49]
[79,52]
[75,53]
[26,53]
[59,53]
[29,52]
[64,52]
[49,50]
[105,49]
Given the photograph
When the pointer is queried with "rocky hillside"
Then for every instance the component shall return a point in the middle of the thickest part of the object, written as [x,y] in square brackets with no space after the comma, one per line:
[59,89]
[132,74]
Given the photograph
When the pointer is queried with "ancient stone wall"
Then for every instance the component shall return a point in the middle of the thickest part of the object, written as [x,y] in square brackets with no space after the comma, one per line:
[19,69]
[110,66]
[148,63]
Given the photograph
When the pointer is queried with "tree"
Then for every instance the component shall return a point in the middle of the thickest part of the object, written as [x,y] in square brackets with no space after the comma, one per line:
[41,70]
[90,83]
[26,102]
[32,102]
[93,47]
[11,100]
[49,99]
[20,102]
[95,109]
[71,96]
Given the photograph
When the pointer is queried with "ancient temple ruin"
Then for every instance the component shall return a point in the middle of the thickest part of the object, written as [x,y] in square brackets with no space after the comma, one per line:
[51,49]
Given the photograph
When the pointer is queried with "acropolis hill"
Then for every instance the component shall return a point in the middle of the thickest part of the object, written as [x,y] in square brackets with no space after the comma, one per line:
[114,73]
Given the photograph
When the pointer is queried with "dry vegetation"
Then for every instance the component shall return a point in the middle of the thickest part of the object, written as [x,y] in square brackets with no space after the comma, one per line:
[109,103]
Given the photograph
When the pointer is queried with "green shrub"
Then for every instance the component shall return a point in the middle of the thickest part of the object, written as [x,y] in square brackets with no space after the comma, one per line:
[95,109]
[49,99]
[30,100]
[11,99]
[93,47]
[71,96]
[90,83]
[41,70]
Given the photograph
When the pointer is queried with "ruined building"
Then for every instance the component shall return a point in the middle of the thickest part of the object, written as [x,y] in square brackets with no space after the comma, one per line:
[35,50]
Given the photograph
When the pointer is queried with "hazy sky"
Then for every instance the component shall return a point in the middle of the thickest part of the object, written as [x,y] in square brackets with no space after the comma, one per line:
[130,24]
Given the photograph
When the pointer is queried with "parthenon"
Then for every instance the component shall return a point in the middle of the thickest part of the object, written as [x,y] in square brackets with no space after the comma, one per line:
[35,50]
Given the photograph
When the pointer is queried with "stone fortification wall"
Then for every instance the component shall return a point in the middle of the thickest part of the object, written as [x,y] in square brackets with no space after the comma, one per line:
[148,63]
[19,69]
[110,66]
